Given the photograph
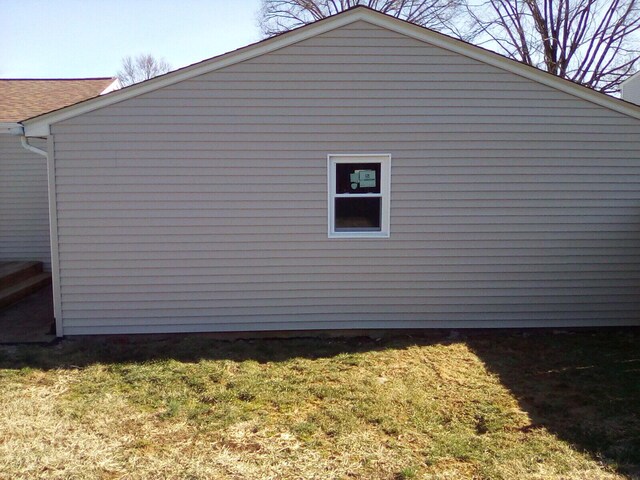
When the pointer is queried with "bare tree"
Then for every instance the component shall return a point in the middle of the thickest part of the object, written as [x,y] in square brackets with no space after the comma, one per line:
[591,42]
[143,67]
[277,16]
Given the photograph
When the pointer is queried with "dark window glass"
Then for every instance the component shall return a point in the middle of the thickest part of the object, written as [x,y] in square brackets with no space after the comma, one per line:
[359,214]
[358,178]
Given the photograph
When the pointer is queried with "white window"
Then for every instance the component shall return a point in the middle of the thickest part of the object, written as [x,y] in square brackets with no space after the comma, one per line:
[359,195]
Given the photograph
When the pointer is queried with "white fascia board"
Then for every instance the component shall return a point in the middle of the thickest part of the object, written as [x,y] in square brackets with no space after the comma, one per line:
[11,128]
[37,130]
[39,126]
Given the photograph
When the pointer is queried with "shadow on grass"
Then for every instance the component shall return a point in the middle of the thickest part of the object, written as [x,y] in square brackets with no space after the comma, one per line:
[191,348]
[584,387]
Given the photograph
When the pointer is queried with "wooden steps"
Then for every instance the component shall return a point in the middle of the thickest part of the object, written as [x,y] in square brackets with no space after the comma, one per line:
[20,279]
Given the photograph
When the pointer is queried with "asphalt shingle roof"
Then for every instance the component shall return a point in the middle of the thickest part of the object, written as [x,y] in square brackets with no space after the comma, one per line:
[25,98]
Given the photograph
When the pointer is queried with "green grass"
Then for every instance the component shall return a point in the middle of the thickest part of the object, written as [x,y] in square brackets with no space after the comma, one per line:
[498,406]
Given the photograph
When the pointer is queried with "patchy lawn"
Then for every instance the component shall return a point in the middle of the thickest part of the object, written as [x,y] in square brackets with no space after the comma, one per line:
[491,406]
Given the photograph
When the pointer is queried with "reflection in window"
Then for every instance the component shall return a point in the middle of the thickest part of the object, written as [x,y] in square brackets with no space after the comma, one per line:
[358,214]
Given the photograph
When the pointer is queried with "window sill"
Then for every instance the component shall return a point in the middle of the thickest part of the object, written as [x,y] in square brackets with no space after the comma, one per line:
[359,235]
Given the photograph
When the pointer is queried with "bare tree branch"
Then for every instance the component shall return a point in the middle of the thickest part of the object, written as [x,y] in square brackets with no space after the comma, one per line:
[142,68]
[592,42]
[277,16]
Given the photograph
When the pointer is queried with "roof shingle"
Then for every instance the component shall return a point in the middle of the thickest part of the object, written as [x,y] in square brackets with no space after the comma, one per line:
[25,98]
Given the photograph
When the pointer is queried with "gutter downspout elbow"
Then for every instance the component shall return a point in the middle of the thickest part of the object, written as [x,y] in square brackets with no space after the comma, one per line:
[25,143]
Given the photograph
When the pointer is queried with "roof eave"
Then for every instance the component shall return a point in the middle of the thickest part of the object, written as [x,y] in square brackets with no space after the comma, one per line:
[11,128]
[40,125]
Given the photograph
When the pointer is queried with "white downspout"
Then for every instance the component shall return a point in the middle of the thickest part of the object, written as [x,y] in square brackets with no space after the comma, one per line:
[25,143]
[53,228]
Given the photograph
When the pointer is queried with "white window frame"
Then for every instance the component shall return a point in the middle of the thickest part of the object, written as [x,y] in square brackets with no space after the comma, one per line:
[385,192]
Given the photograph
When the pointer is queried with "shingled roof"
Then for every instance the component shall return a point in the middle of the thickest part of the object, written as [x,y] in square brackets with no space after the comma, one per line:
[25,98]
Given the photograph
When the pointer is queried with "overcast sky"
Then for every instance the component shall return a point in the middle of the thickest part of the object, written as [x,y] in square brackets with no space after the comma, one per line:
[88,38]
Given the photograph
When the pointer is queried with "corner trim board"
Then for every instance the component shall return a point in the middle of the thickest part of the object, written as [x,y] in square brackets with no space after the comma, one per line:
[53,234]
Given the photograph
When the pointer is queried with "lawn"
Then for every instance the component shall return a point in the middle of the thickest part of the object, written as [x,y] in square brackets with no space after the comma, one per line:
[483,406]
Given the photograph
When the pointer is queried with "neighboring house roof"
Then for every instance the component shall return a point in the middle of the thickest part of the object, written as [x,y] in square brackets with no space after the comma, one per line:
[40,125]
[25,98]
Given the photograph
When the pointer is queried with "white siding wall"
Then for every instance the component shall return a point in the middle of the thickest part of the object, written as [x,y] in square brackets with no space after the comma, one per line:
[202,206]
[24,207]
[631,89]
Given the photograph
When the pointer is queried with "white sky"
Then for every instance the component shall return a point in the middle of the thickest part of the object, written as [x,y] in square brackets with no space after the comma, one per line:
[88,38]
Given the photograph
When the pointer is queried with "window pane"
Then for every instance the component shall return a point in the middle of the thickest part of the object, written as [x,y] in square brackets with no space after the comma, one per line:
[358,178]
[358,214]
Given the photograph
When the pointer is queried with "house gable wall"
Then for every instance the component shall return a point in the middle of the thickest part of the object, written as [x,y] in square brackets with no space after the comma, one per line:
[202,206]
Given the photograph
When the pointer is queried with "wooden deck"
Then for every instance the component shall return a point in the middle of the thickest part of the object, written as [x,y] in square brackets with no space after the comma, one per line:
[26,303]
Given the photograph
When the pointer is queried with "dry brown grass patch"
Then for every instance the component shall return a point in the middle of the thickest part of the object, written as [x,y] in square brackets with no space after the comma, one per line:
[273,409]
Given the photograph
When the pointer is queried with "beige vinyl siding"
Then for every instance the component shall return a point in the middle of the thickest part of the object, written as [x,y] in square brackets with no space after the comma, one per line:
[202,206]
[24,204]
[631,89]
